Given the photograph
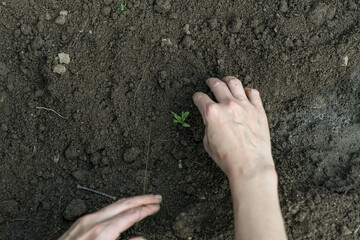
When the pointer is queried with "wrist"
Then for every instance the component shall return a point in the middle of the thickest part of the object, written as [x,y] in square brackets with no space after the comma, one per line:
[245,180]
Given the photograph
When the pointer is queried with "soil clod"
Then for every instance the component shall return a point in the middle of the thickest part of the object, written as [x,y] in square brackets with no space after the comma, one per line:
[163,6]
[75,209]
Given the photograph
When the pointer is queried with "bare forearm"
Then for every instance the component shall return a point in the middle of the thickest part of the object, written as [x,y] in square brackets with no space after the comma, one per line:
[256,206]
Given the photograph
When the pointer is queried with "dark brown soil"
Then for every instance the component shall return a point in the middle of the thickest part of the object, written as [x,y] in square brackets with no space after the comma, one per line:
[128,69]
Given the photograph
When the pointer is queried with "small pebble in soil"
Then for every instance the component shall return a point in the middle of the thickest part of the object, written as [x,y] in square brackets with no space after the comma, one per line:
[37,43]
[25,29]
[4,127]
[106,10]
[235,25]
[9,207]
[131,154]
[187,29]
[163,6]
[345,230]
[283,6]
[48,16]
[75,209]
[79,175]
[345,61]
[40,26]
[187,42]
[60,20]
[213,23]
[59,69]
[318,14]
[63,13]
[108,2]
[95,158]
[64,58]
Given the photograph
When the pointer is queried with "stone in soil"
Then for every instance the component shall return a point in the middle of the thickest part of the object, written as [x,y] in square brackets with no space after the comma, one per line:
[25,29]
[187,42]
[108,2]
[235,25]
[59,69]
[75,209]
[64,58]
[163,6]
[60,20]
[106,10]
[213,23]
[318,14]
[4,127]
[131,154]
[283,6]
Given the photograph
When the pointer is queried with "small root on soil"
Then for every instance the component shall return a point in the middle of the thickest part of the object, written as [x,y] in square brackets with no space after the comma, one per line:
[147,161]
[52,110]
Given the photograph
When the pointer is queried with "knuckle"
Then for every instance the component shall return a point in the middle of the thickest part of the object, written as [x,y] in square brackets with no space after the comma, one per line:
[232,104]
[234,82]
[211,109]
[217,83]
[248,107]
[97,229]
[255,92]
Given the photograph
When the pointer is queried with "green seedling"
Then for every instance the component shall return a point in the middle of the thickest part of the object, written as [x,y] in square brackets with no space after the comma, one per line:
[181,119]
[122,6]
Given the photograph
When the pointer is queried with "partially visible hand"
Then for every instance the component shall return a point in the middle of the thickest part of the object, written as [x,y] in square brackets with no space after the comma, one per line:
[237,135]
[109,222]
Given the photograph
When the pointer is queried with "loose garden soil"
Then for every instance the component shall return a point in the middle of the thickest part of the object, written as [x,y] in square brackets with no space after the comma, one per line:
[98,114]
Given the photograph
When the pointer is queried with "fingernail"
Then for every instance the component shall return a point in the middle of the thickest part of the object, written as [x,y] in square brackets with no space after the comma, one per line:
[158,196]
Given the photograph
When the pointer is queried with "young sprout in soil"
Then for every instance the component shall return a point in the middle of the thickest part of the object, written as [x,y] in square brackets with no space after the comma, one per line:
[181,119]
[122,6]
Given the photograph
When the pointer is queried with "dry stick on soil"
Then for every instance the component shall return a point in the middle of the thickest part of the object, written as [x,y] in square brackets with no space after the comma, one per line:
[24,219]
[357,230]
[142,80]
[147,161]
[52,110]
[347,175]
[97,192]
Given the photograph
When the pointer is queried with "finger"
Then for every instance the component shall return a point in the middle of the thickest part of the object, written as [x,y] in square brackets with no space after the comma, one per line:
[138,238]
[123,221]
[235,86]
[220,89]
[123,205]
[202,100]
[254,97]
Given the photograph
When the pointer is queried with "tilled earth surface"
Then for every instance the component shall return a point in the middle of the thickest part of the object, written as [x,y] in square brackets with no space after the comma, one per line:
[86,91]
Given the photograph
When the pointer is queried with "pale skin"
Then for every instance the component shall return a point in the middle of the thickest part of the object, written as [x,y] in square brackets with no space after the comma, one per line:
[237,138]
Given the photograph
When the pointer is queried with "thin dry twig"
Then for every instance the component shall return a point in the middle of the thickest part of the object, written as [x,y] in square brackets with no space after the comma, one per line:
[347,174]
[24,219]
[142,79]
[147,161]
[97,192]
[357,230]
[52,110]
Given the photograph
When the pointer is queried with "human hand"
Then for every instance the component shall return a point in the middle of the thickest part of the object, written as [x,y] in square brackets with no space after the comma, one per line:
[109,222]
[236,129]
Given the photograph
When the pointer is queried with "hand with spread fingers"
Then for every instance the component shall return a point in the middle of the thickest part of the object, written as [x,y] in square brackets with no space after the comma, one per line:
[109,222]
[237,138]
[237,134]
